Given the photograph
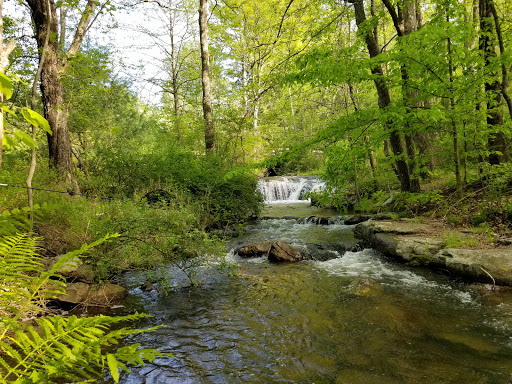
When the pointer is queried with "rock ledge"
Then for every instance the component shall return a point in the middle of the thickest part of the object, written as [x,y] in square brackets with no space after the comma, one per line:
[416,243]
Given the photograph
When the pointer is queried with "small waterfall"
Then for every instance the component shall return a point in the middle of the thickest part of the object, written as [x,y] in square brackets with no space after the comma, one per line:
[288,189]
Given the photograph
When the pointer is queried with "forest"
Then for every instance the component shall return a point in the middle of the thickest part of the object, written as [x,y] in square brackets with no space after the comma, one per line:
[407,100]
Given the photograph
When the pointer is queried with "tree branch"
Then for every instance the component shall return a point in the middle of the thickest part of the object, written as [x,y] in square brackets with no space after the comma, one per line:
[81,30]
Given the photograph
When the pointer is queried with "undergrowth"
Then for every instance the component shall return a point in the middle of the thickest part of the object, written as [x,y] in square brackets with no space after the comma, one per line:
[52,348]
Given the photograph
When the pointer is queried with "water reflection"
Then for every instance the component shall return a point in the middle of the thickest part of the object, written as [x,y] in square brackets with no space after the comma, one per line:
[354,319]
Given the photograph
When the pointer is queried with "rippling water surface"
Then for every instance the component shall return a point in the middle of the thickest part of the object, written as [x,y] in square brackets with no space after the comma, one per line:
[355,318]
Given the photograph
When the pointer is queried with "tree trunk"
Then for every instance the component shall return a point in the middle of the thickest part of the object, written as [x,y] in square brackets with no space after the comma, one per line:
[174,70]
[455,133]
[59,143]
[209,134]
[496,141]
[401,168]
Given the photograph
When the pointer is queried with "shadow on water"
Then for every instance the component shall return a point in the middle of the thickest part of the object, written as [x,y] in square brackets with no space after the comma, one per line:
[355,318]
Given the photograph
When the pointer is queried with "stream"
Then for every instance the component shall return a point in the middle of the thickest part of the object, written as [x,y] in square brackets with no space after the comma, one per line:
[343,316]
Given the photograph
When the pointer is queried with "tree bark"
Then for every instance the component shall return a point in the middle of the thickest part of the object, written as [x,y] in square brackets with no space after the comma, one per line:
[401,168]
[56,62]
[405,22]
[209,133]
[496,141]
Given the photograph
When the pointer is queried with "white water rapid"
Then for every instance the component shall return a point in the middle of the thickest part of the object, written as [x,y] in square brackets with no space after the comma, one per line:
[288,189]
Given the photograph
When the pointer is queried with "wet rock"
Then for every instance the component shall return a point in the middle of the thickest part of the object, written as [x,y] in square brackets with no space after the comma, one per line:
[324,252]
[412,242]
[283,252]
[356,219]
[254,250]
[147,286]
[483,265]
[87,294]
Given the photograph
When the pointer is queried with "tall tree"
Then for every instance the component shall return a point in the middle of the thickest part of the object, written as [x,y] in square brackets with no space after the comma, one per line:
[497,141]
[209,133]
[384,96]
[55,64]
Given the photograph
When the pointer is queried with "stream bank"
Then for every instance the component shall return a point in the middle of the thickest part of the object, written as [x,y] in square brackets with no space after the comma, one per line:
[428,245]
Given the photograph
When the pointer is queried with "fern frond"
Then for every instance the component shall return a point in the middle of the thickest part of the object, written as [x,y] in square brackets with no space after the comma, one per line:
[55,348]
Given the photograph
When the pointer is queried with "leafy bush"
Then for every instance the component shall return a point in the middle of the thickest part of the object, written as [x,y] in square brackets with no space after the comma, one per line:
[225,196]
[415,203]
[148,235]
[53,348]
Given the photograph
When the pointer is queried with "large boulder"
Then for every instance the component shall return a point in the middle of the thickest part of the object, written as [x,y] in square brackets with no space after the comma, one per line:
[254,250]
[87,294]
[281,251]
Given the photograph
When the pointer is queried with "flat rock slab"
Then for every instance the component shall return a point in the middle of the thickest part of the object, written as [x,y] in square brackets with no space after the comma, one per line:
[482,265]
[412,242]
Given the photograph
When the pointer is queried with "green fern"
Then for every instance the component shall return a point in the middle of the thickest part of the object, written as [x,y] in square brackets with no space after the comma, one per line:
[17,220]
[53,348]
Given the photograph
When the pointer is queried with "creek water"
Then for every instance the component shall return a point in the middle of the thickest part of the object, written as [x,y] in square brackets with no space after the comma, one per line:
[339,317]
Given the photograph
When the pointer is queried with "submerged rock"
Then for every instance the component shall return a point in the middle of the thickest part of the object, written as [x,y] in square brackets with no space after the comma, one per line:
[281,251]
[364,287]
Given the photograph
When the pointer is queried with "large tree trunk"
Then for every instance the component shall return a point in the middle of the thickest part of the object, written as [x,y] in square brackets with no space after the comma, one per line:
[209,134]
[496,141]
[401,167]
[55,64]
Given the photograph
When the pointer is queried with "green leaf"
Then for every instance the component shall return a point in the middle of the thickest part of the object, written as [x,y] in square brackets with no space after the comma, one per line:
[5,109]
[113,366]
[36,119]
[5,86]
[29,141]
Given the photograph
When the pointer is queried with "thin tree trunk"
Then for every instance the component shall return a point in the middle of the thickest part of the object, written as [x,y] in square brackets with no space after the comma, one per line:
[174,70]
[356,186]
[455,134]
[33,155]
[209,135]
[405,23]
[371,154]
[496,140]
[504,71]
[401,167]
